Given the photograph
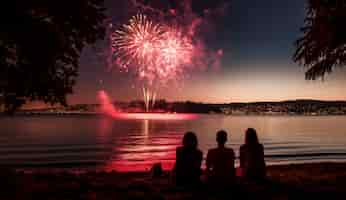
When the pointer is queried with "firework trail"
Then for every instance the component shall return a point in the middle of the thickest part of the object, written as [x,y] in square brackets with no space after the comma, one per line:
[135,46]
[108,108]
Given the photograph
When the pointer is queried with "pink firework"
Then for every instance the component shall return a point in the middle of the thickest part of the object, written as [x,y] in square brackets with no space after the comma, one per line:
[135,45]
[156,52]
[176,52]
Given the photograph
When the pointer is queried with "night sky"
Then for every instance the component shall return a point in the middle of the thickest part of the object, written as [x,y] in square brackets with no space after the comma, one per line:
[257,37]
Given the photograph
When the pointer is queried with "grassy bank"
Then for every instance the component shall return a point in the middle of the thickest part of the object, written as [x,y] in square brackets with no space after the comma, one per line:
[303,181]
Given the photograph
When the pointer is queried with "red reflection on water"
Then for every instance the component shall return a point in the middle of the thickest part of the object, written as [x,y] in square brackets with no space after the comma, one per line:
[140,151]
[148,149]
[143,155]
[153,116]
[108,108]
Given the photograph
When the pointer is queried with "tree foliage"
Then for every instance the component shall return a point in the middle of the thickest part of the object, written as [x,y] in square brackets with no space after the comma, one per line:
[40,46]
[323,45]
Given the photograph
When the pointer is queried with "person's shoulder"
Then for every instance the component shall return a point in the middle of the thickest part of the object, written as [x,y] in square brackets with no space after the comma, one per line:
[229,150]
[179,149]
[261,146]
[212,150]
[199,152]
[243,148]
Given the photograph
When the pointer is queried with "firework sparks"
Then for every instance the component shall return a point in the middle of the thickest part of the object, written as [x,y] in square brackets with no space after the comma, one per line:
[176,53]
[157,53]
[134,45]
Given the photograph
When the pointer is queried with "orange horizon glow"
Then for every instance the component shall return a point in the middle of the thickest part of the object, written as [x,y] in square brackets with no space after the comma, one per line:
[225,88]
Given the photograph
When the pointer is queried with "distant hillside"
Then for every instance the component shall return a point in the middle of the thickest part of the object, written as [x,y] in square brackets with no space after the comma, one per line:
[298,107]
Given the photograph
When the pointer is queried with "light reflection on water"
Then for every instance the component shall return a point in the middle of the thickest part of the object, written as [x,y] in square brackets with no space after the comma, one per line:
[104,143]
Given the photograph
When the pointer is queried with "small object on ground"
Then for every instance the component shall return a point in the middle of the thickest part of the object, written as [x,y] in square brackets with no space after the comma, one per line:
[156,170]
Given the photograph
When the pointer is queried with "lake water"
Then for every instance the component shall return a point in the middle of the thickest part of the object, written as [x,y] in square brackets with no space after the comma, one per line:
[98,142]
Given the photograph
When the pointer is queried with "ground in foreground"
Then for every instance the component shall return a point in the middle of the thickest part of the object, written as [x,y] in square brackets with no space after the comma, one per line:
[305,181]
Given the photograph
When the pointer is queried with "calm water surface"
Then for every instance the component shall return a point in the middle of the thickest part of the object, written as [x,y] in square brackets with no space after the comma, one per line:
[97,142]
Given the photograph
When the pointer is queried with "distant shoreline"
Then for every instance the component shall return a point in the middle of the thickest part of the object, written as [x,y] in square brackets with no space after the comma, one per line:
[282,108]
[32,113]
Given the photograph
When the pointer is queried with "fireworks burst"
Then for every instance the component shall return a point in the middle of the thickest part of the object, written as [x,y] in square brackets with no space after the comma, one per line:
[176,53]
[157,53]
[134,45]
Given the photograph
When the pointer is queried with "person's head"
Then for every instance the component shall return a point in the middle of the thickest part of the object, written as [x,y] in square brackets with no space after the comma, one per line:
[190,140]
[221,137]
[251,136]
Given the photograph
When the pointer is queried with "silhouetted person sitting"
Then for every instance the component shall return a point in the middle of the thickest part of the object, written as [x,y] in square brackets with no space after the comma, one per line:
[188,161]
[252,162]
[220,162]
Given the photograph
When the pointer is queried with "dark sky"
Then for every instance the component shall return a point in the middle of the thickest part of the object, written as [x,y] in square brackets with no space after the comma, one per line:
[257,37]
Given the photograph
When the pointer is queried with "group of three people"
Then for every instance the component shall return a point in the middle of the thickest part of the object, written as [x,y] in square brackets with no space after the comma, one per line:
[220,161]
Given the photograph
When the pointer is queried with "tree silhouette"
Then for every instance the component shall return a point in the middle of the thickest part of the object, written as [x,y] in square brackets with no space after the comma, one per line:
[40,46]
[323,45]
